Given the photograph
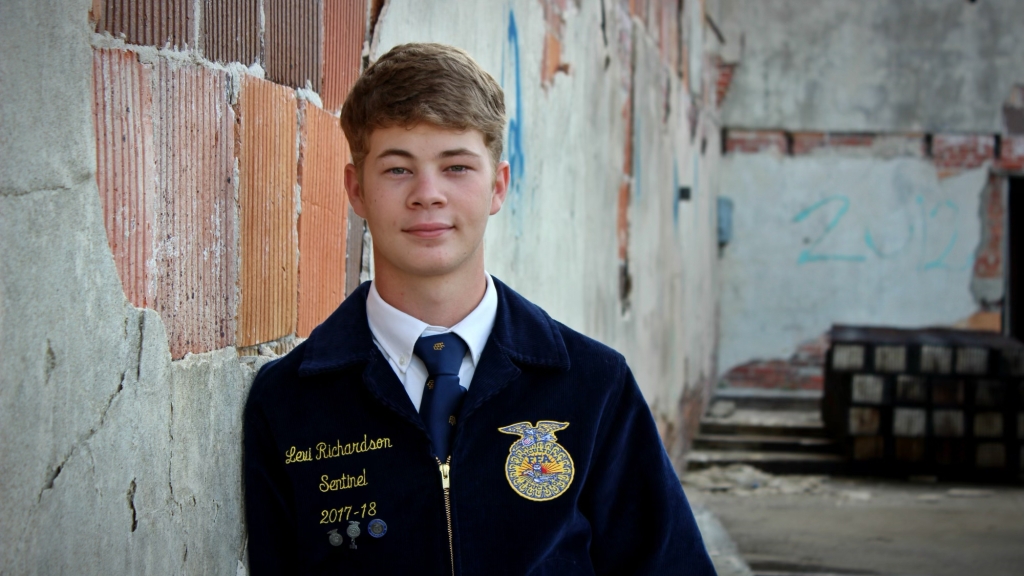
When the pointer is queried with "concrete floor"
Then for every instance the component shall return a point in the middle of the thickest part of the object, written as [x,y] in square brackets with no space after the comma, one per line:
[867,526]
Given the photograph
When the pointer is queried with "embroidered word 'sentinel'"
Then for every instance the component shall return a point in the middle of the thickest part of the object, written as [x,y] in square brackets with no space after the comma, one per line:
[538,468]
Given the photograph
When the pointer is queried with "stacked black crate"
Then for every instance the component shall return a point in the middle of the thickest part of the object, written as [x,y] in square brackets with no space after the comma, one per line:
[932,401]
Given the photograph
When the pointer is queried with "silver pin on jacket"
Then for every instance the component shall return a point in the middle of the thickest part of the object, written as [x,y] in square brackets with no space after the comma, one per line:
[353,532]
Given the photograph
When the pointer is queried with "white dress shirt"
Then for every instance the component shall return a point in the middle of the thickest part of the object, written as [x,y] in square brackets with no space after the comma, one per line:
[395,333]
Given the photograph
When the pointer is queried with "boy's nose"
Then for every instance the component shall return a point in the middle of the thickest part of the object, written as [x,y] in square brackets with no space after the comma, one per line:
[427,192]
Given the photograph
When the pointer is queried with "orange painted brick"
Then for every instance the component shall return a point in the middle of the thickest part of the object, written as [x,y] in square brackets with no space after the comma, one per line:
[344,35]
[267,212]
[323,154]
[124,170]
[195,259]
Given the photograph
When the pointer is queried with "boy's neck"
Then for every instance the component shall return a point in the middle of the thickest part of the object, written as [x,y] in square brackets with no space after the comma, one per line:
[437,300]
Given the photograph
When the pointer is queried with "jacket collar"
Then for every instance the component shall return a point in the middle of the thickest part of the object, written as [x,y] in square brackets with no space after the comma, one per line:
[522,331]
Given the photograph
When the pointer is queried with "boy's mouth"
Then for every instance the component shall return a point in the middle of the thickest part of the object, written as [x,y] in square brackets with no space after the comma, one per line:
[429,230]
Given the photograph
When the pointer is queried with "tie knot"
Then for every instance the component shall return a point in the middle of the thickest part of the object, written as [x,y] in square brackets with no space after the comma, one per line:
[441,353]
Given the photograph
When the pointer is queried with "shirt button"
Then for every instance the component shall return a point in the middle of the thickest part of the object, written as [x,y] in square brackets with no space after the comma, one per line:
[403,360]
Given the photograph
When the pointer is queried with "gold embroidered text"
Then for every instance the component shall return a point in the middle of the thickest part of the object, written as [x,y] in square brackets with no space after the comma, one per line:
[325,450]
[294,455]
[345,482]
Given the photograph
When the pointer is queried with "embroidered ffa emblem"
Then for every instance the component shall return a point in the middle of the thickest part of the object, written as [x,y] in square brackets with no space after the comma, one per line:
[537,467]
[439,346]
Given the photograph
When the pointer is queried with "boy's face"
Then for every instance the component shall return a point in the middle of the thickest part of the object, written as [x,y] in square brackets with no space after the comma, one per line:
[426,193]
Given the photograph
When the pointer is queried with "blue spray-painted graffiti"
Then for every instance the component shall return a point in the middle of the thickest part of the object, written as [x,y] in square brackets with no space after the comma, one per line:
[808,254]
[940,263]
[811,254]
[514,145]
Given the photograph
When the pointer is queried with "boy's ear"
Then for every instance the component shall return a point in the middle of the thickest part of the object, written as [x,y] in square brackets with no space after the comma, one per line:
[502,175]
[354,190]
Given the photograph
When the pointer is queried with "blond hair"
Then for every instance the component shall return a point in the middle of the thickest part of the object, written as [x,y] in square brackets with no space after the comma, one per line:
[434,83]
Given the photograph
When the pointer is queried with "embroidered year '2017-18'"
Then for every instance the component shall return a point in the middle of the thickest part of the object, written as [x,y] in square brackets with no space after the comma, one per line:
[538,467]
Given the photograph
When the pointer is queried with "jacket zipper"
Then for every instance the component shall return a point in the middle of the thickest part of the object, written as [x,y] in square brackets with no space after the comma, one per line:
[446,485]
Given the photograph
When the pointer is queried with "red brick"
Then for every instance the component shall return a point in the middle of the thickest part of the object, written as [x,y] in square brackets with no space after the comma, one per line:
[554,23]
[292,42]
[147,22]
[267,212]
[1011,153]
[962,150]
[344,35]
[622,221]
[743,141]
[724,80]
[195,262]
[125,170]
[323,154]
[788,374]
[989,261]
[668,36]
[231,31]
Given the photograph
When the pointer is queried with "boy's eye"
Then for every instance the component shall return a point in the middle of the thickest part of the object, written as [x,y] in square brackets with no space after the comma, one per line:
[458,168]
[397,171]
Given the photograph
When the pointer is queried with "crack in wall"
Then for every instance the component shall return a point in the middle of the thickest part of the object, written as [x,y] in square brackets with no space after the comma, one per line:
[55,472]
[84,438]
[49,362]
[12,191]
[131,505]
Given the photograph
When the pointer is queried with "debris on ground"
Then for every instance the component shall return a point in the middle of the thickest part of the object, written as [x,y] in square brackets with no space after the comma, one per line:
[743,480]
[722,409]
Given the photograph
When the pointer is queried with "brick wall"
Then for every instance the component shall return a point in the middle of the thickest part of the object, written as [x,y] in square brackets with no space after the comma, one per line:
[224,256]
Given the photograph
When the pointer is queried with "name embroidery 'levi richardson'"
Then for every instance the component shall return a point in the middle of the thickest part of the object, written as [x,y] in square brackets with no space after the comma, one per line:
[325,450]
[538,468]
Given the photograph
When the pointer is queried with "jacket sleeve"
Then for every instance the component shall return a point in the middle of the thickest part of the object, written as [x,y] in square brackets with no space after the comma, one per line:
[640,519]
[269,511]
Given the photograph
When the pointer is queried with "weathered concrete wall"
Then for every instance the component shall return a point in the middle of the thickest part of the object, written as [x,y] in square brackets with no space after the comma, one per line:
[114,460]
[838,239]
[119,426]
[872,65]
[587,182]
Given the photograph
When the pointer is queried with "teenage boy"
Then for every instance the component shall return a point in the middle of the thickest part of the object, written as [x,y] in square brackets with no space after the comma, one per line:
[438,422]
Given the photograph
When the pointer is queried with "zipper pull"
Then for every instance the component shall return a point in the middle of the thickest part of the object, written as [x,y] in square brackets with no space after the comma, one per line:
[445,475]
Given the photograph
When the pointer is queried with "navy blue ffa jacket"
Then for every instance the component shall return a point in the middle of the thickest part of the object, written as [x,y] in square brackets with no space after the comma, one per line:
[556,465]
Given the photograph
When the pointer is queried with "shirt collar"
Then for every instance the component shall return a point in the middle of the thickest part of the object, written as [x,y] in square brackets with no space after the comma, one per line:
[396,332]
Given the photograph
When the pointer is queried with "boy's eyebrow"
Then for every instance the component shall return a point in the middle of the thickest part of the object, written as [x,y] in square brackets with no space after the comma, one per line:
[394,152]
[458,152]
[444,154]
